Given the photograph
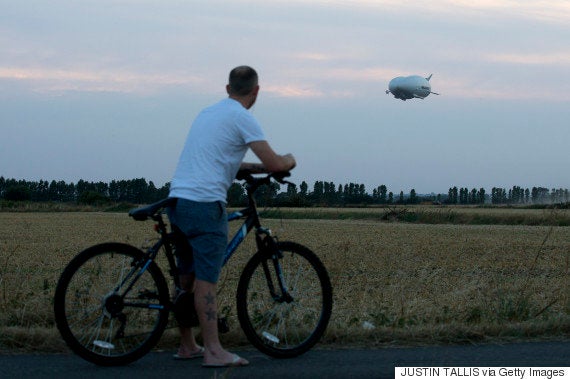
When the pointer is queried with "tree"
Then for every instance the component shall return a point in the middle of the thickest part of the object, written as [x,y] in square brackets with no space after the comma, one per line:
[303,188]
[452,197]
[382,190]
[92,198]
[473,198]
[329,194]
[318,192]
[236,195]
[481,196]
[463,195]
[291,189]
[17,192]
[266,193]
[41,192]
[413,197]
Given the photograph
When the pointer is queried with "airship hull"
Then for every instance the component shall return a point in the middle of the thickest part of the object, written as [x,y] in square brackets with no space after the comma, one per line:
[410,87]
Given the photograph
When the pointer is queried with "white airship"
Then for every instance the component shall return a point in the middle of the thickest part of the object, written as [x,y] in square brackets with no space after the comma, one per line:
[410,87]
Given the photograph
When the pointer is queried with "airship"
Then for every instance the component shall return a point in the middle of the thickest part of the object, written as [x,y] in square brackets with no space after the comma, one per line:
[410,87]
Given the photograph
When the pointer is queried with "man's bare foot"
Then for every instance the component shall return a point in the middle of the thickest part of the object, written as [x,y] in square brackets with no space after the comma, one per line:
[236,361]
[185,353]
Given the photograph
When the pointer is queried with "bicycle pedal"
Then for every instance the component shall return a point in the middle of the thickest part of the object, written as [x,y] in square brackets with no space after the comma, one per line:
[223,326]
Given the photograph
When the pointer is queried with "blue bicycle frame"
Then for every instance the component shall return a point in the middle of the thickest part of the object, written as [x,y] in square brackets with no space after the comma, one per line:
[251,221]
[169,239]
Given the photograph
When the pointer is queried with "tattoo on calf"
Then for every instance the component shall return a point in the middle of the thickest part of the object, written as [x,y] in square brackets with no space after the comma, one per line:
[211,314]
[209,298]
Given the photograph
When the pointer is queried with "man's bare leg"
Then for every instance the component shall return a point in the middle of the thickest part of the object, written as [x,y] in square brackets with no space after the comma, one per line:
[207,308]
[188,345]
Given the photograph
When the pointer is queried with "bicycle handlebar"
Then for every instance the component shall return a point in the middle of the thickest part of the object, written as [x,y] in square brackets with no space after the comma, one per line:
[254,182]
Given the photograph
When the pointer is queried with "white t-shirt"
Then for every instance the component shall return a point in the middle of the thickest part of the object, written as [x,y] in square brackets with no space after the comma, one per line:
[214,149]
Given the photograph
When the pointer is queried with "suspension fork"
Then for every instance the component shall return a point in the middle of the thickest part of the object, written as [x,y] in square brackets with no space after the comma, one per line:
[270,250]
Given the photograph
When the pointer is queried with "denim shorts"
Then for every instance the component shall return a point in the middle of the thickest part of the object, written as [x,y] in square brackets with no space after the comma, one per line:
[206,228]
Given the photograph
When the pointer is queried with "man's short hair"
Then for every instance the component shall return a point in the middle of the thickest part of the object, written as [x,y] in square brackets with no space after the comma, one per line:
[242,81]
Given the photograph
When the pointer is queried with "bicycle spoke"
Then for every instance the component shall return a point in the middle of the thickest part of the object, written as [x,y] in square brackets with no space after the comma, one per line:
[101,322]
[292,322]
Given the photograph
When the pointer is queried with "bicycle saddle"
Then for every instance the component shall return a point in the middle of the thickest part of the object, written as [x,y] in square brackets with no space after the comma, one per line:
[142,214]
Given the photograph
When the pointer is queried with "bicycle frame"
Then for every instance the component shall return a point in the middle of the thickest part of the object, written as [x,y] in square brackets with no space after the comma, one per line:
[251,221]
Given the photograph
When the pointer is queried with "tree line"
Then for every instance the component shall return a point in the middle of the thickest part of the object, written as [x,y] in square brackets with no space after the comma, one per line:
[515,195]
[322,193]
[137,191]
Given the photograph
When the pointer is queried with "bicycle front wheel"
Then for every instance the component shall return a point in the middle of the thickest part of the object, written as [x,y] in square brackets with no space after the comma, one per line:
[284,322]
[111,306]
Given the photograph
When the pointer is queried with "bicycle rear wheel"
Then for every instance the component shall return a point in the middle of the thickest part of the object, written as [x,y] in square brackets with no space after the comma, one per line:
[111,307]
[279,326]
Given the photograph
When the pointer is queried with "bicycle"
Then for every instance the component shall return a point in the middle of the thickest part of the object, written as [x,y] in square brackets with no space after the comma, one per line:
[112,301]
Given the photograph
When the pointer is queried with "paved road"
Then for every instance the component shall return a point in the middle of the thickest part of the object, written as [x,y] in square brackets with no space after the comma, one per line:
[318,363]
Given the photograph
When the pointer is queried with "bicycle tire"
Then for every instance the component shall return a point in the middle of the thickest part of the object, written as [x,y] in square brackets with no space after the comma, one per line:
[90,314]
[278,328]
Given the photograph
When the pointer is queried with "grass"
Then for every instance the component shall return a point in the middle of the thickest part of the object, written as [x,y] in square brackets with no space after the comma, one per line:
[394,282]
[463,215]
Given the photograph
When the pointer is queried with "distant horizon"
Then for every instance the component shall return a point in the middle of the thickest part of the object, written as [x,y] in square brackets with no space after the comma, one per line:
[310,185]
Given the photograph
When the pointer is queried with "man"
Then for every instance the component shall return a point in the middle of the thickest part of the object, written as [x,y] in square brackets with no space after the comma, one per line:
[216,145]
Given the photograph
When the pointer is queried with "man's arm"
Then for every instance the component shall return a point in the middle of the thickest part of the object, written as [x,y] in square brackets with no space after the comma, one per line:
[270,161]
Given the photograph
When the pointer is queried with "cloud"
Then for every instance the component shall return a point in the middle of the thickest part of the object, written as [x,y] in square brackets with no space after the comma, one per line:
[292,91]
[57,80]
[365,74]
[316,81]
[312,56]
[329,82]
[530,59]
[555,11]
[480,88]
[305,83]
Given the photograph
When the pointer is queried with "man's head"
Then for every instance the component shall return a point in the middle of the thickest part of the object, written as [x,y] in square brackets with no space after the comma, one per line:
[243,85]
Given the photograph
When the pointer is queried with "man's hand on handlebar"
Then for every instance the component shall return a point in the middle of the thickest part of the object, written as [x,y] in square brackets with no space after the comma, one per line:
[279,176]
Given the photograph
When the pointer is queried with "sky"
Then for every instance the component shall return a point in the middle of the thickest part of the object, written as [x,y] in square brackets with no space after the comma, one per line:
[105,90]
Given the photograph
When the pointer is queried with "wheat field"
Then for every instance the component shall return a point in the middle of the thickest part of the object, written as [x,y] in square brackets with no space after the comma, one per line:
[394,283]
